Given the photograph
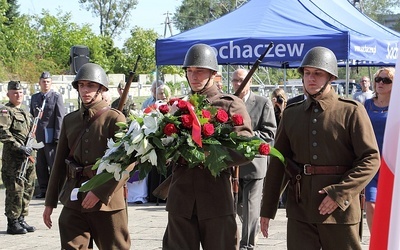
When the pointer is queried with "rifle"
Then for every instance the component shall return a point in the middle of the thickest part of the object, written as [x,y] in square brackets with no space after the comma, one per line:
[162,190]
[253,69]
[124,95]
[32,143]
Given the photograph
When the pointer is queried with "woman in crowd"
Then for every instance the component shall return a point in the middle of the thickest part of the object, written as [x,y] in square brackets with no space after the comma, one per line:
[377,108]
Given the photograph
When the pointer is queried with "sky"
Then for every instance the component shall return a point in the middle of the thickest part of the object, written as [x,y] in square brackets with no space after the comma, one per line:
[149,14]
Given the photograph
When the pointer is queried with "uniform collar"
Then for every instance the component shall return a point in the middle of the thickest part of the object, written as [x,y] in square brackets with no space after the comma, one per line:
[92,109]
[324,102]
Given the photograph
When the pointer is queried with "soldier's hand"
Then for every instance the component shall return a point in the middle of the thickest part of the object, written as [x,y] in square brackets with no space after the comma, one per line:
[264,224]
[47,216]
[26,150]
[328,205]
[90,200]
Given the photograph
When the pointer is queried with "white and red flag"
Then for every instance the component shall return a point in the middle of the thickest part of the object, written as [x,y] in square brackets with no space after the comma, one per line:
[386,222]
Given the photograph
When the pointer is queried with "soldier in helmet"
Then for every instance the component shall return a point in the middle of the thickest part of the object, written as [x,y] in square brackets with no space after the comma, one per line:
[100,213]
[201,207]
[15,125]
[331,154]
[129,104]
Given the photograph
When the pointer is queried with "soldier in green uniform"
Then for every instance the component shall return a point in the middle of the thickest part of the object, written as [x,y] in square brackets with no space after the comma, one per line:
[200,206]
[15,125]
[334,155]
[100,213]
[129,104]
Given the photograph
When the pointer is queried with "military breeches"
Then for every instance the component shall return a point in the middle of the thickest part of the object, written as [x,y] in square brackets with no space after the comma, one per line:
[325,236]
[108,229]
[18,192]
[187,234]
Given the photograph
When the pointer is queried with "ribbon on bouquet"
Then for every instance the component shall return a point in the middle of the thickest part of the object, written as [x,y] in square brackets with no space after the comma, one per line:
[196,127]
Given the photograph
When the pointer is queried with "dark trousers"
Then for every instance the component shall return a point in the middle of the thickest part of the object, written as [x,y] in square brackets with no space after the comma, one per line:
[44,163]
[108,229]
[187,234]
[308,236]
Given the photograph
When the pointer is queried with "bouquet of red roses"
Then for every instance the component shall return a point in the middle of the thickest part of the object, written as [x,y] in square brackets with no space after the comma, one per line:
[189,129]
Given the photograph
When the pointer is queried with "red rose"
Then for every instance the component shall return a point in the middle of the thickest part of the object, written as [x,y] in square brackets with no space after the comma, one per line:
[182,105]
[170,129]
[221,116]
[264,149]
[206,113]
[208,129]
[187,121]
[237,120]
[172,100]
[164,109]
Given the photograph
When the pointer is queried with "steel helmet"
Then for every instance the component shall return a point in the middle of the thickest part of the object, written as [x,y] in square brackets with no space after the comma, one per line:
[91,72]
[320,58]
[202,56]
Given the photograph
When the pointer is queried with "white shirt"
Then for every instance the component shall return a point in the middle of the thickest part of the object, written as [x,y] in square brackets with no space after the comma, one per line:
[362,96]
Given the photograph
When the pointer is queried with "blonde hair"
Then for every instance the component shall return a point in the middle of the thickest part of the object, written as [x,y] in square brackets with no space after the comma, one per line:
[390,72]
[279,92]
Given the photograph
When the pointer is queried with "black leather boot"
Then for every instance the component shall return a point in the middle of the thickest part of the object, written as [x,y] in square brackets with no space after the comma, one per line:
[25,225]
[14,227]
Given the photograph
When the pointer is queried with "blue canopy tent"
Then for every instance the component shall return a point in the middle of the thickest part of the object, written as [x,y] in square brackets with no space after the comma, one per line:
[294,26]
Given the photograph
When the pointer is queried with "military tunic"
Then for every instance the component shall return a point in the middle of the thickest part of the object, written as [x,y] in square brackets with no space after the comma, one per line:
[15,125]
[196,195]
[327,132]
[91,146]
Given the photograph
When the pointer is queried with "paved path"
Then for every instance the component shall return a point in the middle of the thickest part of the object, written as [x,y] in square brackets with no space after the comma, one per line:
[147,223]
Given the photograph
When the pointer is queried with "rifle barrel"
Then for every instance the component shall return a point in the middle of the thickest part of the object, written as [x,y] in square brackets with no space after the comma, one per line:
[253,69]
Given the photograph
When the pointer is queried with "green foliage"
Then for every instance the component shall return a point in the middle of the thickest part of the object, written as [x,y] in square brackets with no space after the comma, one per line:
[141,42]
[114,15]
[193,13]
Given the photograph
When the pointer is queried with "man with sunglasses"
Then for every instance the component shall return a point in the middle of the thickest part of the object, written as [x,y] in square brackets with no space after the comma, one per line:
[331,150]
[365,92]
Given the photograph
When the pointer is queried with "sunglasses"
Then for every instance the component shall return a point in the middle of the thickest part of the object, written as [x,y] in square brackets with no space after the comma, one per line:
[385,80]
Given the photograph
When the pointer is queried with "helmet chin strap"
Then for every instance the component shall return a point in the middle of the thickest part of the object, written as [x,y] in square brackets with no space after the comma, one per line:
[95,96]
[208,81]
[320,91]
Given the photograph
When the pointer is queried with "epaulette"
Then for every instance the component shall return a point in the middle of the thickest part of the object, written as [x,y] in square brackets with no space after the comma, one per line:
[295,104]
[226,97]
[349,101]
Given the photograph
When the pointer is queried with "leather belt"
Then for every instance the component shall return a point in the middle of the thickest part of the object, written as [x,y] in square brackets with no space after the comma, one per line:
[309,169]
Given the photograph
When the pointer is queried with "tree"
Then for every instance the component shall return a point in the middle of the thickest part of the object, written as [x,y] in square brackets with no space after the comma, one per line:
[193,13]
[141,42]
[114,14]
[12,11]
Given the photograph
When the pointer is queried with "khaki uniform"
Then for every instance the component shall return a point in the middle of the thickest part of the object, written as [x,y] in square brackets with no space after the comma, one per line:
[328,132]
[200,207]
[91,146]
[15,124]
[127,107]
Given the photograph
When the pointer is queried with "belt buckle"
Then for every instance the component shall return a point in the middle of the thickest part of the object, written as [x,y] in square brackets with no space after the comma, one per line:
[305,169]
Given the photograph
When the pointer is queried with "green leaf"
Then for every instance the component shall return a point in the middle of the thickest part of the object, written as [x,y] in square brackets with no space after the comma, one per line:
[96,181]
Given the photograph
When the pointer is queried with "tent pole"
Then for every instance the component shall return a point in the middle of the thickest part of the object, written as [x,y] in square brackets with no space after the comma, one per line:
[347,78]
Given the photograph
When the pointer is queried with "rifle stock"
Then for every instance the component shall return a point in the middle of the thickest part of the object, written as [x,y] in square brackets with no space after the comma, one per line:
[162,190]
[124,95]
